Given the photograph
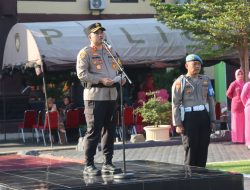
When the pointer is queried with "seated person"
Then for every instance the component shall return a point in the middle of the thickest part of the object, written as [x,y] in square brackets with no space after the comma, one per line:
[52,107]
[67,105]
[51,104]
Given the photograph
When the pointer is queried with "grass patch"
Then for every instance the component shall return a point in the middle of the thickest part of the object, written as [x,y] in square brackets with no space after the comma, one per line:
[236,166]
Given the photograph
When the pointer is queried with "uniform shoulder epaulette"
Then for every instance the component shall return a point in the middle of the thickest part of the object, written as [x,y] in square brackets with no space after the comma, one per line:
[84,49]
[178,83]
[179,77]
[204,77]
[83,52]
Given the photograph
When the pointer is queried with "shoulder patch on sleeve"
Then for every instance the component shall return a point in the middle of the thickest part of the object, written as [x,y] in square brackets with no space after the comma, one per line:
[210,89]
[177,84]
[83,54]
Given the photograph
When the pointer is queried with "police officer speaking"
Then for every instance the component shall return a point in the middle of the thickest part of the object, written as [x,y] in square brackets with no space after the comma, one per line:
[193,111]
[97,71]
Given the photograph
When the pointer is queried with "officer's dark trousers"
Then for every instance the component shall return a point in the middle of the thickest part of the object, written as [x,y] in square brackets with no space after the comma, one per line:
[100,122]
[196,138]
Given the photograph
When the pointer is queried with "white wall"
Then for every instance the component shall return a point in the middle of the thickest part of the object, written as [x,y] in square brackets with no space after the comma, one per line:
[82,7]
[209,71]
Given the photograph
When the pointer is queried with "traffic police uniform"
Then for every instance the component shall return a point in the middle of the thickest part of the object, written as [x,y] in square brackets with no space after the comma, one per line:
[193,106]
[99,100]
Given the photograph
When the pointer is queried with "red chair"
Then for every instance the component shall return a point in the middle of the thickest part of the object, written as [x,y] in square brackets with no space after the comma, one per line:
[82,121]
[39,124]
[129,119]
[72,122]
[72,119]
[51,118]
[217,110]
[28,122]
[139,123]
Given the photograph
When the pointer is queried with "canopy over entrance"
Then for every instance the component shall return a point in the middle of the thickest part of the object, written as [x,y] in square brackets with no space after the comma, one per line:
[138,41]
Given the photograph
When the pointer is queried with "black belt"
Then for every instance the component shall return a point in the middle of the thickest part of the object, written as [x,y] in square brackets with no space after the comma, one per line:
[100,85]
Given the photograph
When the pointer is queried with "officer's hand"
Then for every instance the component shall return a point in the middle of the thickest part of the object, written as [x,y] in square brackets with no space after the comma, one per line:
[107,81]
[212,126]
[123,81]
[179,129]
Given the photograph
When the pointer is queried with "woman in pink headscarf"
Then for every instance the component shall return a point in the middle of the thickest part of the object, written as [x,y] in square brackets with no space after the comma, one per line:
[245,98]
[237,108]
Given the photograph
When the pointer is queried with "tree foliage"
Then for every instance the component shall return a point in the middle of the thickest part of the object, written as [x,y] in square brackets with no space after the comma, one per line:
[221,25]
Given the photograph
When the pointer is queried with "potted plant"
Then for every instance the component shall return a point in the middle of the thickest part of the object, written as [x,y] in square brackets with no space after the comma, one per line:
[157,114]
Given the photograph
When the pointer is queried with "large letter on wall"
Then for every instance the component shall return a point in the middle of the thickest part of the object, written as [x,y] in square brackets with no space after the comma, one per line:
[54,34]
[162,34]
[129,37]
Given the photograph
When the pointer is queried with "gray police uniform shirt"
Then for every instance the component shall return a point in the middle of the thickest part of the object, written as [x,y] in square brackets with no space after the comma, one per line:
[92,65]
[187,93]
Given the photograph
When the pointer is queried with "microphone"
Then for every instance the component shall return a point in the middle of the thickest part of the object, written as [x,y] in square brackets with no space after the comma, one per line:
[105,42]
[25,89]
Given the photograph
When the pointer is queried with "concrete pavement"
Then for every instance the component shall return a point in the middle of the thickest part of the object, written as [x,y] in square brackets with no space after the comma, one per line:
[170,152]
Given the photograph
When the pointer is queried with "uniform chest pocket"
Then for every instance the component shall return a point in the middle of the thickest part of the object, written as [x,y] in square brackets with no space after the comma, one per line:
[97,60]
[113,61]
[188,90]
[110,59]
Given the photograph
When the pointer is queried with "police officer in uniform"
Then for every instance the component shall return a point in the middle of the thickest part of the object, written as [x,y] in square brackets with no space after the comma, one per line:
[96,70]
[193,111]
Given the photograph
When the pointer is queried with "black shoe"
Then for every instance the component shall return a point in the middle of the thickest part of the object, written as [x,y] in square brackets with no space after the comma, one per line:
[110,168]
[91,170]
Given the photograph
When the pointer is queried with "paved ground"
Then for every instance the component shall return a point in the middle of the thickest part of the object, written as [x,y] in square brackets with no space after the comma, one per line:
[171,152]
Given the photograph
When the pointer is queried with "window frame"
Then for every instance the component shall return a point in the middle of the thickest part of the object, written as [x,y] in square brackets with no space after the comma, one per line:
[51,0]
[124,1]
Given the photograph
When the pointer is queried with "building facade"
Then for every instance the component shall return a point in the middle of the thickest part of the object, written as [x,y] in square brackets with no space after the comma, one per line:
[12,101]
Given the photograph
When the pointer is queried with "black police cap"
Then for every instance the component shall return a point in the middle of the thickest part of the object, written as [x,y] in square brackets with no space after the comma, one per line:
[94,27]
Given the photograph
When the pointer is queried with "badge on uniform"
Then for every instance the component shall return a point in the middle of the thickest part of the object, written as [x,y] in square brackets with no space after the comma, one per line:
[205,83]
[188,91]
[93,49]
[210,89]
[83,54]
[98,67]
[177,85]
[114,65]
[100,61]
[119,61]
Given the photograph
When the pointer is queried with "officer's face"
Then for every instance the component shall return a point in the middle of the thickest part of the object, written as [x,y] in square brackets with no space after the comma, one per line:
[96,37]
[193,67]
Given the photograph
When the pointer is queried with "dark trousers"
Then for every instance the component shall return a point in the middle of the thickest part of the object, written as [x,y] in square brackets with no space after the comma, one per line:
[196,138]
[100,118]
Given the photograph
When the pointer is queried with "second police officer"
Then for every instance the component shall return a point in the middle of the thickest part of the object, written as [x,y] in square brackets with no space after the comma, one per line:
[193,111]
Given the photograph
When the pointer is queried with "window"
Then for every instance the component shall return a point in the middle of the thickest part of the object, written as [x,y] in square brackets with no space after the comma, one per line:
[51,0]
[123,1]
[182,1]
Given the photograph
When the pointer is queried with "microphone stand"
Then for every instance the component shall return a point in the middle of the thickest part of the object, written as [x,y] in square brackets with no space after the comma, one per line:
[124,174]
[46,102]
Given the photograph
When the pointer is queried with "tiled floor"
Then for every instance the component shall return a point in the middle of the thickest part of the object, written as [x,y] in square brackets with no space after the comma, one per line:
[27,172]
[23,162]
